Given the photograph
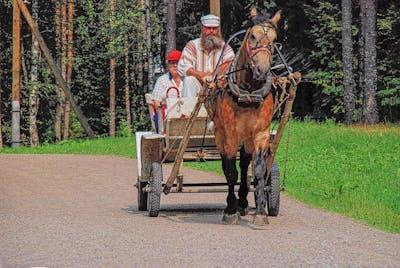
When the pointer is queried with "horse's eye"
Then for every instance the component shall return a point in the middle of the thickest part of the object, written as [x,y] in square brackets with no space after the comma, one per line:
[251,37]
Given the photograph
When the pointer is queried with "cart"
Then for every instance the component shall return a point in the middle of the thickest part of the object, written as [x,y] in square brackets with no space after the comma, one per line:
[180,133]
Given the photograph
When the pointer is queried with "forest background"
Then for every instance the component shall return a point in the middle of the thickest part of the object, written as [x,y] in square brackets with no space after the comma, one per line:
[111,52]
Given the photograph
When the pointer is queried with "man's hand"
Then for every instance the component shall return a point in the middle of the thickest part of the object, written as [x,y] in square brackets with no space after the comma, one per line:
[224,67]
[198,74]
[221,81]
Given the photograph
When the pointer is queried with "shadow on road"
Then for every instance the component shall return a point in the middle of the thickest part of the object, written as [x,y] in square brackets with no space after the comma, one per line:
[198,213]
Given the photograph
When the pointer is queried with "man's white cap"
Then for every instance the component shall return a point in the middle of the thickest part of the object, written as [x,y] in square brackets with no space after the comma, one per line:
[210,20]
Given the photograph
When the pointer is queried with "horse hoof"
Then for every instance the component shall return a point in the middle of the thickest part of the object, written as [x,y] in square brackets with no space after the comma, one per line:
[260,220]
[231,219]
[243,211]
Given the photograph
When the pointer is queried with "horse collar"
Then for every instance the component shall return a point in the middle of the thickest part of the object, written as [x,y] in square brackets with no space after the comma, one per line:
[256,96]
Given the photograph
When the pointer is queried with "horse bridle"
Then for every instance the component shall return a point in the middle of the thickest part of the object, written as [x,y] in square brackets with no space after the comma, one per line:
[253,51]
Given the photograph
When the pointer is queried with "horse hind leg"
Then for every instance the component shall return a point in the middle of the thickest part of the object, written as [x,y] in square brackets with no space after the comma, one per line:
[259,172]
[245,159]
[230,213]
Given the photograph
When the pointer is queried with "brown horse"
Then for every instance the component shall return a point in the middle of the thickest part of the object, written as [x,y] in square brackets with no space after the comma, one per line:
[242,115]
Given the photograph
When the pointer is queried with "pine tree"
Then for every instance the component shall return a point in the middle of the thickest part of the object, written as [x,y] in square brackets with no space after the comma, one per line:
[347,55]
[370,110]
[112,71]
[70,42]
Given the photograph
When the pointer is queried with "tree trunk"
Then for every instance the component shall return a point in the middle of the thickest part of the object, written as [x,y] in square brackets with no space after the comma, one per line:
[70,36]
[24,77]
[1,117]
[150,73]
[370,111]
[126,73]
[62,21]
[16,77]
[33,96]
[317,103]
[171,26]
[140,52]
[347,54]
[361,51]
[140,62]
[112,73]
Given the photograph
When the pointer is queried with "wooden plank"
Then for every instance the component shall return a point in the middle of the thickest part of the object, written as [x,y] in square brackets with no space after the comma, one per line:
[176,127]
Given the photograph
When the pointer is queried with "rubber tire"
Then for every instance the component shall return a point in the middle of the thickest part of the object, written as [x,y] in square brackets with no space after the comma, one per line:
[142,196]
[153,197]
[274,190]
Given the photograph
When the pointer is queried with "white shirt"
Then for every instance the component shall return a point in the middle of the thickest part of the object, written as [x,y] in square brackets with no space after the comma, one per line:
[194,56]
[164,82]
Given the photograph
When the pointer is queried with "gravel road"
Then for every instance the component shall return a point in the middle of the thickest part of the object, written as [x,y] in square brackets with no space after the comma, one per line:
[81,211]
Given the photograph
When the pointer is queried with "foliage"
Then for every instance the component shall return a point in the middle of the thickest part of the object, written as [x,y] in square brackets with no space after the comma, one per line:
[124,129]
[325,56]
[389,67]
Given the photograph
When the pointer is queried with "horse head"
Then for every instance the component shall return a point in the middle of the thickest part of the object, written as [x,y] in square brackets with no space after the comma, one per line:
[259,43]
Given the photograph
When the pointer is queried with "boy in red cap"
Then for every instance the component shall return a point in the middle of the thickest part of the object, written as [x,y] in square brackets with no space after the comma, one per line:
[171,79]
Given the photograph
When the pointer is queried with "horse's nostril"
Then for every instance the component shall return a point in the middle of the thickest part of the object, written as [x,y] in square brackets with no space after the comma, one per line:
[258,73]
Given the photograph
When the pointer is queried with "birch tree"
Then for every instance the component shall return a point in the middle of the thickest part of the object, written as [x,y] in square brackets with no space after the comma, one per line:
[149,29]
[33,96]
[127,87]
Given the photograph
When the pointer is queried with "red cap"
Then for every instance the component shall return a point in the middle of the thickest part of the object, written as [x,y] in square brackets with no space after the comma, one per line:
[174,55]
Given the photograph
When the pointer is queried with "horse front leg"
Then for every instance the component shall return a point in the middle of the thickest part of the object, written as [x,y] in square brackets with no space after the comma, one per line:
[260,172]
[231,175]
[245,159]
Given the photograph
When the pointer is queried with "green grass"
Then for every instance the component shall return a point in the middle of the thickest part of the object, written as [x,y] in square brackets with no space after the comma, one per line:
[350,170]
[354,171]
[102,146]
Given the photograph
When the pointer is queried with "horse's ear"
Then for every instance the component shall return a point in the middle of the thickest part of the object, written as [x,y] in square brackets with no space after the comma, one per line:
[253,12]
[275,19]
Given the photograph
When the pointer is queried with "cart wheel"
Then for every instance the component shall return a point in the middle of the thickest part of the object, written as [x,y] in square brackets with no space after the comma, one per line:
[153,197]
[142,196]
[273,190]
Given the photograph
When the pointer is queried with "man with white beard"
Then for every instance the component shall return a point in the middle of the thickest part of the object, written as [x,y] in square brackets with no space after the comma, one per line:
[200,56]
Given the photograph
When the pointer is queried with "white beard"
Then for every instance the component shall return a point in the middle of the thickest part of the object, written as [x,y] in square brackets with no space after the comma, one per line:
[212,42]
